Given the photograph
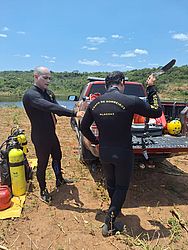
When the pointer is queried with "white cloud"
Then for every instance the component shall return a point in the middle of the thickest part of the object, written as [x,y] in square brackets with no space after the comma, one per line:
[142,60]
[89,48]
[96,40]
[49,59]
[90,63]
[5,29]
[180,36]
[92,48]
[25,56]
[115,65]
[21,32]
[117,36]
[128,54]
[115,55]
[154,65]
[129,67]
[3,35]
[46,57]
[171,31]
[120,66]
[140,51]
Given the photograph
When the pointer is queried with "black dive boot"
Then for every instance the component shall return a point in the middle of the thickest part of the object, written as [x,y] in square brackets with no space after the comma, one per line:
[45,196]
[56,165]
[108,228]
[60,181]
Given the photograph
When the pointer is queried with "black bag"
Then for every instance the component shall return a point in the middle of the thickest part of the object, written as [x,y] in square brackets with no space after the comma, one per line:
[5,172]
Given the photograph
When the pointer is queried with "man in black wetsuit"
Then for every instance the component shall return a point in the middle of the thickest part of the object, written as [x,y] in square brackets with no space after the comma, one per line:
[113,114]
[41,106]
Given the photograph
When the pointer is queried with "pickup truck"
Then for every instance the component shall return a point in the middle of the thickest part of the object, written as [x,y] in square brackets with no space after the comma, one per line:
[151,145]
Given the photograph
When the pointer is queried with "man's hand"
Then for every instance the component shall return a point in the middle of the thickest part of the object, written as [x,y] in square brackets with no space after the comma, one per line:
[80,114]
[95,149]
[151,80]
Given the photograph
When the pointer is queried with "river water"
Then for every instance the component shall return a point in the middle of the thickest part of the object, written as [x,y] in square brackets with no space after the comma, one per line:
[16,102]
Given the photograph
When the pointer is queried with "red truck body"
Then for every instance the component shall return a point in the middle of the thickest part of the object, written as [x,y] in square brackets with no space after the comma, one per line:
[158,143]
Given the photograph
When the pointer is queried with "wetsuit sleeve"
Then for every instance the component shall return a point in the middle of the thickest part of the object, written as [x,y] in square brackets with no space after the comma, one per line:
[52,96]
[85,126]
[152,108]
[36,101]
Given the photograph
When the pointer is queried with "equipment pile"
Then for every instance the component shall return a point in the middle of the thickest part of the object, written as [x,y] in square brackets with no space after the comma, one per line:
[14,167]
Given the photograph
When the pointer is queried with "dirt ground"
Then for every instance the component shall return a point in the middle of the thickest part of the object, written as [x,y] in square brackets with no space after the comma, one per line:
[74,219]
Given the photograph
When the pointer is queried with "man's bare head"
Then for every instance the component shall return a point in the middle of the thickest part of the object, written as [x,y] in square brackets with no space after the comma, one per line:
[42,77]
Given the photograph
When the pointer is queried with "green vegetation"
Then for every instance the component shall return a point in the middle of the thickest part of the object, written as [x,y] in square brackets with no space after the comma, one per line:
[175,229]
[173,84]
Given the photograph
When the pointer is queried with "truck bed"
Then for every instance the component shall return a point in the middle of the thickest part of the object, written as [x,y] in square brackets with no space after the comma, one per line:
[162,144]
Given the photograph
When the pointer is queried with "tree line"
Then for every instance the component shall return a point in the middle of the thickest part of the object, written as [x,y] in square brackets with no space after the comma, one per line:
[173,84]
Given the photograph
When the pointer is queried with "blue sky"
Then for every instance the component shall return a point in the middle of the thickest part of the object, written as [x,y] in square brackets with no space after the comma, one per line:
[91,36]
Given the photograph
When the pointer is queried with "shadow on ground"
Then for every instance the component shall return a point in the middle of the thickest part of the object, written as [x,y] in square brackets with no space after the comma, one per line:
[164,185]
[134,229]
[66,197]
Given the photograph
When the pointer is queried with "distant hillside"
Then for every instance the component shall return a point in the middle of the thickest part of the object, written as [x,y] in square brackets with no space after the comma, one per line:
[173,84]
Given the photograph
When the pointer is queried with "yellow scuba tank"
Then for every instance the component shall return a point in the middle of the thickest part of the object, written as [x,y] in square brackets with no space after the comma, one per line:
[17,171]
[19,134]
[23,142]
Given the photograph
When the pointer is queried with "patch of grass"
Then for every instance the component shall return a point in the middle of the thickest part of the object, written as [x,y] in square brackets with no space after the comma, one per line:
[49,174]
[175,230]
[103,193]
[16,118]
[81,170]
[138,243]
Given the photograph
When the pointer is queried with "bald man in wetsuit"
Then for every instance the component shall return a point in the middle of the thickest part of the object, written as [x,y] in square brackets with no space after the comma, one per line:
[41,107]
[113,114]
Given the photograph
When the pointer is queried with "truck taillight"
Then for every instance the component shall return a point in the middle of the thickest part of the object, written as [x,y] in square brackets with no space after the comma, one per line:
[138,119]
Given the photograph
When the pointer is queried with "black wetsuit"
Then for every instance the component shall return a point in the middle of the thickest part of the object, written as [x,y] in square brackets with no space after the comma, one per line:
[40,107]
[113,114]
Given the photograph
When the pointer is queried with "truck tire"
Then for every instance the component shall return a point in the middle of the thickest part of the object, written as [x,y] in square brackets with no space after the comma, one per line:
[85,156]
[73,123]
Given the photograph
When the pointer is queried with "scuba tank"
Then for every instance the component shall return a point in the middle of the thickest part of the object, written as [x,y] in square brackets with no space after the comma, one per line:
[14,167]
[17,171]
[23,142]
[19,134]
